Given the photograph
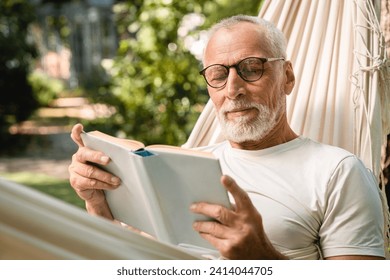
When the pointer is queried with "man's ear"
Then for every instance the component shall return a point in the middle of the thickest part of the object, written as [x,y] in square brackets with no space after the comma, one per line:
[290,78]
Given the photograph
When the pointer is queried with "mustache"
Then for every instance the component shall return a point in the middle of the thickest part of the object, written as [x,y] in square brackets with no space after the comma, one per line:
[238,105]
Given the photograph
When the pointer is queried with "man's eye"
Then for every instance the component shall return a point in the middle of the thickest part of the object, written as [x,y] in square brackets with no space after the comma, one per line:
[217,75]
[251,70]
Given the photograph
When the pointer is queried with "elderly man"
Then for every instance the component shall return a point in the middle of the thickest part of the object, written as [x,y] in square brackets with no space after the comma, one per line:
[293,197]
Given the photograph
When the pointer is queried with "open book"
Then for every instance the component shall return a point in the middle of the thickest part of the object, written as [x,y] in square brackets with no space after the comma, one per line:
[159,183]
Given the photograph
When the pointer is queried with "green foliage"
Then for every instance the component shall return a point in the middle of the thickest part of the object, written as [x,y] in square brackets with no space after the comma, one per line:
[155,85]
[16,53]
[45,88]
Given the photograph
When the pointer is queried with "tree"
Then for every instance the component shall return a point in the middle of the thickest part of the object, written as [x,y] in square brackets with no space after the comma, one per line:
[155,86]
[17,101]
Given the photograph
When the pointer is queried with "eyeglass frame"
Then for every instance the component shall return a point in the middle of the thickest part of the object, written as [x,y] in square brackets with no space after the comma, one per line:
[235,66]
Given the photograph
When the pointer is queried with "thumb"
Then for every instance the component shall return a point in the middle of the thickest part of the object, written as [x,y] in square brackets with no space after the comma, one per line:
[76,134]
[241,198]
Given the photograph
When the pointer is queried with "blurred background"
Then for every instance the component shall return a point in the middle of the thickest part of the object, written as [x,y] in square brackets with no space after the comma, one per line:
[128,68]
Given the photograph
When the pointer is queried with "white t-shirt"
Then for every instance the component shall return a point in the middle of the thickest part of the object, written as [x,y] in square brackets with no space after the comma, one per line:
[315,200]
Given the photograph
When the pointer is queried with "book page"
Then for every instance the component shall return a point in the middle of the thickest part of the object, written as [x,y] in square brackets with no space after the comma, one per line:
[134,145]
[126,143]
[179,150]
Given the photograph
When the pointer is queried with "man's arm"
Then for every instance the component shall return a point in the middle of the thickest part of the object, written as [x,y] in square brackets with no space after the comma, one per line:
[354,218]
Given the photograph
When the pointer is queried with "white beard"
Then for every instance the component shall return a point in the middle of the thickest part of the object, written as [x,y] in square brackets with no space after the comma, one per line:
[243,129]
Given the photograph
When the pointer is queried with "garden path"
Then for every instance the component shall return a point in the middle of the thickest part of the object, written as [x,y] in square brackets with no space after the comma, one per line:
[49,148]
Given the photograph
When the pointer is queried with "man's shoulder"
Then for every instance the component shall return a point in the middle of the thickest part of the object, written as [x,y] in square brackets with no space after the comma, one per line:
[309,144]
[331,156]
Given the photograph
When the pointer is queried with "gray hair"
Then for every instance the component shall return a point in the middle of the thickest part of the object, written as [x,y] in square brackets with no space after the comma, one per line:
[275,40]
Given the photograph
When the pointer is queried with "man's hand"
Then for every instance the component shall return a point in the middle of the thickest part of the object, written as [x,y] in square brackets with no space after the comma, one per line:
[88,180]
[237,233]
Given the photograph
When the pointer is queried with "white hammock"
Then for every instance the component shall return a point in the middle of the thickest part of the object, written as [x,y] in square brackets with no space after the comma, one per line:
[36,226]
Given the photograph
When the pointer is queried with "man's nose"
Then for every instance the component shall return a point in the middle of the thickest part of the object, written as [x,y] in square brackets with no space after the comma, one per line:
[234,84]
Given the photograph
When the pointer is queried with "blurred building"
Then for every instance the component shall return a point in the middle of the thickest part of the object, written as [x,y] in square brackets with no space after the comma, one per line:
[74,38]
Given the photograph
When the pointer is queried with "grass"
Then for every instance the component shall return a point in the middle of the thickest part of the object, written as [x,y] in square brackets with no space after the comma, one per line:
[59,188]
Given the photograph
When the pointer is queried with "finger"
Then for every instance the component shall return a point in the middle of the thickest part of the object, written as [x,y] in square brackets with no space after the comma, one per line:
[241,198]
[76,134]
[214,241]
[214,211]
[80,183]
[222,245]
[85,154]
[87,176]
[212,228]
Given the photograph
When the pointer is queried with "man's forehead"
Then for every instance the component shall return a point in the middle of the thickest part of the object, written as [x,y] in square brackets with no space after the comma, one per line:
[247,32]
[238,41]
[240,27]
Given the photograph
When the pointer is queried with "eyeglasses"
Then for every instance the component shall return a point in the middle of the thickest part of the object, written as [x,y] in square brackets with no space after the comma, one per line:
[250,69]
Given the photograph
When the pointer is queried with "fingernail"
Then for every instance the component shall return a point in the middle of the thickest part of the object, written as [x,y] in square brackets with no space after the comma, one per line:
[227,179]
[115,180]
[104,159]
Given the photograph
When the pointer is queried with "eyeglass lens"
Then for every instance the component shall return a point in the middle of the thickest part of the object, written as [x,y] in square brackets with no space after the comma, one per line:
[249,69]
